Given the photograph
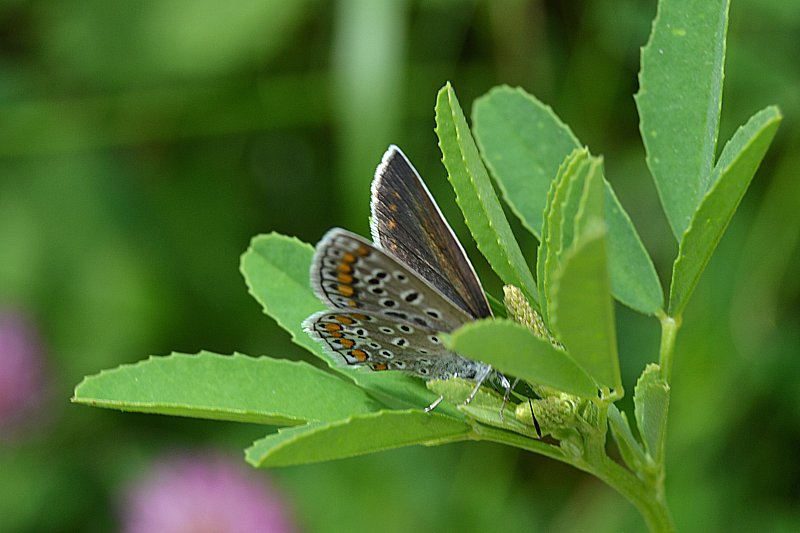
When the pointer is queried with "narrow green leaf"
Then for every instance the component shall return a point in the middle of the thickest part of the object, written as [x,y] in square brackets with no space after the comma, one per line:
[516,351]
[679,101]
[732,175]
[356,435]
[591,201]
[524,144]
[630,449]
[476,197]
[220,387]
[582,312]
[276,270]
[543,250]
[562,206]
[651,403]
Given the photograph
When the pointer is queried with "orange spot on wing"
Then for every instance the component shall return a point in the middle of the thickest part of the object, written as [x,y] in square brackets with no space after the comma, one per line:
[363,250]
[348,258]
[345,290]
[347,343]
[344,319]
[345,278]
[360,355]
[380,366]
[393,208]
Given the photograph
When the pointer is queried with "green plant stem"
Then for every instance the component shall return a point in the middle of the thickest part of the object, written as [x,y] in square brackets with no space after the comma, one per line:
[669,331]
[648,500]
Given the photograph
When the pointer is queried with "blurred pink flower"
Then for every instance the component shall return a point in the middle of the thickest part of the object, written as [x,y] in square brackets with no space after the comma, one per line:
[204,493]
[21,372]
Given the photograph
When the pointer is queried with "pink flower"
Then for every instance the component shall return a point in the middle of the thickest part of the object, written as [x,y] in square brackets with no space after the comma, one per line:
[21,372]
[204,493]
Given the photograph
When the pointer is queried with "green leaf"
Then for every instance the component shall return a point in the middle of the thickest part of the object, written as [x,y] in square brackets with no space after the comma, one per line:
[276,270]
[559,222]
[485,407]
[634,281]
[591,201]
[524,144]
[240,388]
[679,101]
[476,197]
[582,313]
[651,403]
[514,350]
[732,175]
[630,449]
[356,435]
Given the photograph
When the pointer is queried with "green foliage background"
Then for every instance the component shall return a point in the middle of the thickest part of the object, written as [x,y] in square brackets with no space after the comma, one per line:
[142,145]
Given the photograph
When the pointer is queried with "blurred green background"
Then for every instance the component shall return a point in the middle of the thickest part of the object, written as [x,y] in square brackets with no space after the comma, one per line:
[142,144]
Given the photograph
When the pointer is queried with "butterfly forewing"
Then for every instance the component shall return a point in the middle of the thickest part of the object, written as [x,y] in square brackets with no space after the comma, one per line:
[349,273]
[407,223]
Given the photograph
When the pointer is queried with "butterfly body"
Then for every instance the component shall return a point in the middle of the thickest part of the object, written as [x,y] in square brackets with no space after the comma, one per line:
[389,299]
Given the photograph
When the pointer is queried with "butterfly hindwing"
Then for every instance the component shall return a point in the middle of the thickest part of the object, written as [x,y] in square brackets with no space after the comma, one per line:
[349,273]
[363,339]
[407,222]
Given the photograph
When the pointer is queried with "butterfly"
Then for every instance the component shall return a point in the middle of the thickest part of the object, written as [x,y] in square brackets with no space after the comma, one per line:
[388,299]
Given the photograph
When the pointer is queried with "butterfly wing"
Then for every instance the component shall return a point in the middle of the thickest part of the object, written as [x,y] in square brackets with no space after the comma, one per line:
[364,339]
[407,223]
[383,315]
[349,273]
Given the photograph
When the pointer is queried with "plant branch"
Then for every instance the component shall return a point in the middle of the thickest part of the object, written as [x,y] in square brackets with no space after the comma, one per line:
[669,331]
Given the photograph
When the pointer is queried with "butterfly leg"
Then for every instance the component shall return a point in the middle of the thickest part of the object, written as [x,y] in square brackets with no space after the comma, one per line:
[479,379]
[508,388]
[433,405]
